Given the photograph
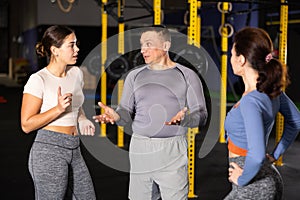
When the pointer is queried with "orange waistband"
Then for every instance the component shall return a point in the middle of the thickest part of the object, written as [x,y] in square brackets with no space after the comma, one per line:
[235,149]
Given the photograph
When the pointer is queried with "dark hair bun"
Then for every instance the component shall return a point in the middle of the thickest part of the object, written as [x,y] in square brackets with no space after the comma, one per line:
[39,47]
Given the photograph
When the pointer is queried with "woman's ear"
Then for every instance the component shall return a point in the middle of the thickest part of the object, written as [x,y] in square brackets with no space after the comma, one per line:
[242,60]
[54,50]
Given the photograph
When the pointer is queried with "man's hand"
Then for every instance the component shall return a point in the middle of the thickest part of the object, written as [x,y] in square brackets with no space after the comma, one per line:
[109,115]
[177,118]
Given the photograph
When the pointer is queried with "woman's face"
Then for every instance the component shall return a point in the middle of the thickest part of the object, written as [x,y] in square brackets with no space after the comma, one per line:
[236,62]
[68,51]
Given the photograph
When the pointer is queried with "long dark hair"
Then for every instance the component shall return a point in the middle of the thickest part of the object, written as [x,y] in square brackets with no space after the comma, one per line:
[53,36]
[256,46]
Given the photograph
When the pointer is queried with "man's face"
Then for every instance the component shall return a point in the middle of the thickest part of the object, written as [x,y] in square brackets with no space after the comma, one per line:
[152,47]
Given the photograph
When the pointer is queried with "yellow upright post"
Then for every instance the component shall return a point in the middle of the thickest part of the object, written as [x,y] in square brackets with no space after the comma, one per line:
[193,29]
[157,12]
[282,58]
[103,59]
[198,36]
[224,49]
[191,161]
[121,47]
[193,39]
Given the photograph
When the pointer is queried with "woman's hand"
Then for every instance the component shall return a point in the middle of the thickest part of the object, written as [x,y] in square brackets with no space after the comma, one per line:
[270,158]
[63,100]
[234,172]
[86,127]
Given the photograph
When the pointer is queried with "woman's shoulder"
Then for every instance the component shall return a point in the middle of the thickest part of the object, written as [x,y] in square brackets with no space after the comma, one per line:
[75,69]
[39,74]
[256,97]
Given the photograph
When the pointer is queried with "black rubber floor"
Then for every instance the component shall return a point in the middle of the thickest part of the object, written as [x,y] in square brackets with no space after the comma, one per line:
[210,173]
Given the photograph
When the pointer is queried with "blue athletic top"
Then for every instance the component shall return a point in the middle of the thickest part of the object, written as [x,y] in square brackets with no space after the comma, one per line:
[249,124]
[152,97]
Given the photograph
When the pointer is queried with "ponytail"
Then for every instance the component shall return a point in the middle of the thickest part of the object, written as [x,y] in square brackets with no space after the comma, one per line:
[40,50]
[272,78]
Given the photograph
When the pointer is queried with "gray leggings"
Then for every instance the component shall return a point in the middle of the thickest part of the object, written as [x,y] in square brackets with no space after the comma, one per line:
[266,185]
[55,164]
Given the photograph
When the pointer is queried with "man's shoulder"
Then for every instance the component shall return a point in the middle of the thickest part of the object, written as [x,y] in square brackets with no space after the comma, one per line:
[136,70]
[188,72]
[184,68]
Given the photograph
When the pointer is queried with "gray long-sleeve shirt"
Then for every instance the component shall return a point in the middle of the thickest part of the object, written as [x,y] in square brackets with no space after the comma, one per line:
[152,97]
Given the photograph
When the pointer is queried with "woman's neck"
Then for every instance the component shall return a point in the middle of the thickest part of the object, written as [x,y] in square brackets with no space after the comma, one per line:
[56,69]
[250,79]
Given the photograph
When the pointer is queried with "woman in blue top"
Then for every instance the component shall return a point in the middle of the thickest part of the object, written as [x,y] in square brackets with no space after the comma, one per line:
[250,121]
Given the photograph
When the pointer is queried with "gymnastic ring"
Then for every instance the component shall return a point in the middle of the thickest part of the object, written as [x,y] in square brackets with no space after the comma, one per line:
[68,9]
[224,11]
[185,18]
[226,25]
[162,16]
